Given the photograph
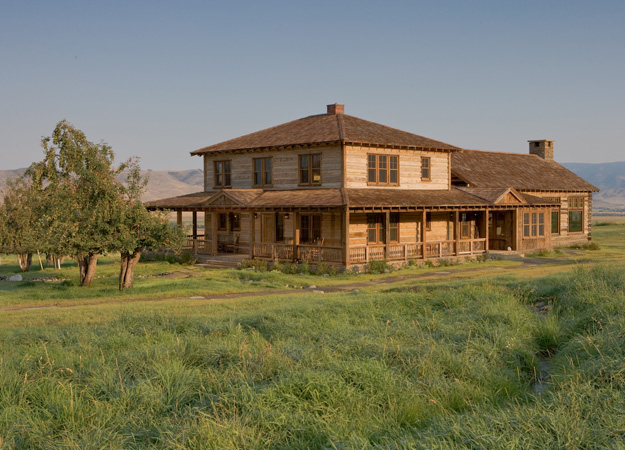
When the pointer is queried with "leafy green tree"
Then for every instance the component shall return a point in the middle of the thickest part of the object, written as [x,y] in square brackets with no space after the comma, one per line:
[140,230]
[77,178]
[19,227]
[87,211]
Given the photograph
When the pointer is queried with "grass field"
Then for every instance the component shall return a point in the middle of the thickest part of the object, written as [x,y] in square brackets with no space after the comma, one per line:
[454,357]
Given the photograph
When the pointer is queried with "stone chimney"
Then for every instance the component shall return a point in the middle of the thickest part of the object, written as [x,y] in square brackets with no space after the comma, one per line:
[335,109]
[542,148]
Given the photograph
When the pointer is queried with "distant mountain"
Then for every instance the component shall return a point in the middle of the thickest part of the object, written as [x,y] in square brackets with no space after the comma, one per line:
[609,177]
[161,183]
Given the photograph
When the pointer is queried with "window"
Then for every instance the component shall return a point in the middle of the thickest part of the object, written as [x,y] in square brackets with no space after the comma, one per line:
[465,228]
[576,214]
[375,229]
[310,229]
[223,177]
[279,227]
[222,222]
[394,227]
[383,169]
[533,224]
[428,221]
[235,221]
[425,168]
[555,222]
[262,172]
[310,170]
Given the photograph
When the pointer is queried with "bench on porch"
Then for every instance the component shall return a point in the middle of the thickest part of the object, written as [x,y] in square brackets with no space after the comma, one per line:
[228,244]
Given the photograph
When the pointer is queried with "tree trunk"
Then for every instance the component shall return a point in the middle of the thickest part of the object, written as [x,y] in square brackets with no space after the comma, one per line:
[87,264]
[127,270]
[24,260]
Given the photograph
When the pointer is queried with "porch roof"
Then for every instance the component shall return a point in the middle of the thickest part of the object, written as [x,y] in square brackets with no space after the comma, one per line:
[353,198]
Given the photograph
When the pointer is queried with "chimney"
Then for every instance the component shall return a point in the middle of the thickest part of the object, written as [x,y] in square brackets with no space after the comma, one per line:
[335,109]
[542,148]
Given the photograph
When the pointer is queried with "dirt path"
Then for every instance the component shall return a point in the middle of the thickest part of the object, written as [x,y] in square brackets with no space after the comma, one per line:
[526,262]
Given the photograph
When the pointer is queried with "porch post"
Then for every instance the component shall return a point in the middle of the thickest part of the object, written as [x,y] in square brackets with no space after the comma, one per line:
[456,232]
[252,233]
[515,229]
[345,235]
[179,218]
[295,233]
[423,246]
[215,243]
[486,230]
[194,231]
[387,233]
[207,227]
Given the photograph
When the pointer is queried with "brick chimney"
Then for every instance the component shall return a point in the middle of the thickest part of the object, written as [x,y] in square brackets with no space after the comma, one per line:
[542,148]
[335,109]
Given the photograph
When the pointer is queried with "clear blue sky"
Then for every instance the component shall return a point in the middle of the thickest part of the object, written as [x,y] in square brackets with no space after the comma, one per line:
[158,79]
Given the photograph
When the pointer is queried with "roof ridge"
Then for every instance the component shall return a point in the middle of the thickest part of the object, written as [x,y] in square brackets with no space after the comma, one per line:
[339,121]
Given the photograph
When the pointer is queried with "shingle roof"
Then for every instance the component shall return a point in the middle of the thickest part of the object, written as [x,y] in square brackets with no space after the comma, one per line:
[522,171]
[325,129]
[405,198]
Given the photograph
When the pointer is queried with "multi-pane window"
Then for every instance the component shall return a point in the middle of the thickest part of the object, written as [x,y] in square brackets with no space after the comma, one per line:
[533,224]
[279,227]
[465,226]
[262,172]
[222,222]
[375,229]
[383,169]
[425,168]
[394,227]
[428,221]
[576,214]
[555,222]
[223,177]
[310,228]
[310,169]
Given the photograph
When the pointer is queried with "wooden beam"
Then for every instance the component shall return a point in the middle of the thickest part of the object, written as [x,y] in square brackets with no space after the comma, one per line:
[486,230]
[179,218]
[215,242]
[457,232]
[346,235]
[423,222]
[295,234]
[387,232]
[252,221]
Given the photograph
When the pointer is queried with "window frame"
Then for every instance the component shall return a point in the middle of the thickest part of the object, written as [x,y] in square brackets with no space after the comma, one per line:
[222,221]
[534,224]
[263,171]
[311,170]
[312,221]
[428,168]
[576,205]
[377,169]
[393,225]
[555,223]
[377,220]
[234,224]
[223,174]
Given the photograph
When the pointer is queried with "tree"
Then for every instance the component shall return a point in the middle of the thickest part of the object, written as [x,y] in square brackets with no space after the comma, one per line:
[19,227]
[87,211]
[141,230]
[78,182]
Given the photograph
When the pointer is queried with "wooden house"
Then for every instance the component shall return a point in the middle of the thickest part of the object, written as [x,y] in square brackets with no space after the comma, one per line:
[338,189]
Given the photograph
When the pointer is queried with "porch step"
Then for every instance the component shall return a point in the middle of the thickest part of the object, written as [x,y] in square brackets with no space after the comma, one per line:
[219,262]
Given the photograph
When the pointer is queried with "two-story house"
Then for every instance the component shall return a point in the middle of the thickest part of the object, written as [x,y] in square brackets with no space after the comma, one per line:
[342,190]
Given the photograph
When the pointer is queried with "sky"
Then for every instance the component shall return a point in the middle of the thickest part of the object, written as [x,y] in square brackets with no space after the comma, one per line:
[158,79]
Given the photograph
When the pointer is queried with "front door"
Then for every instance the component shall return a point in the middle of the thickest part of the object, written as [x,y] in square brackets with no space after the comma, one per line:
[501,230]
[268,227]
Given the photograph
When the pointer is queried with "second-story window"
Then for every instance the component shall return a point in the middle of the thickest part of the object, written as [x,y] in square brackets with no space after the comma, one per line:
[310,170]
[223,177]
[262,172]
[383,169]
[425,168]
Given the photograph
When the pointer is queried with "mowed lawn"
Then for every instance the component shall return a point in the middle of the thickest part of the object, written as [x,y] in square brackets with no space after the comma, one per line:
[458,358]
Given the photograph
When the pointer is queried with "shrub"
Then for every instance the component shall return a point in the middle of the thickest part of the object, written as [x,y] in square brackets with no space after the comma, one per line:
[289,268]
[187,259]
[257,264]
[303,268]
[429,263]
[380,266]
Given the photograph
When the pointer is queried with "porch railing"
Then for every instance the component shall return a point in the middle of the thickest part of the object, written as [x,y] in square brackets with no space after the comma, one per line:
[200,244]
[406,252]
[305,253]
